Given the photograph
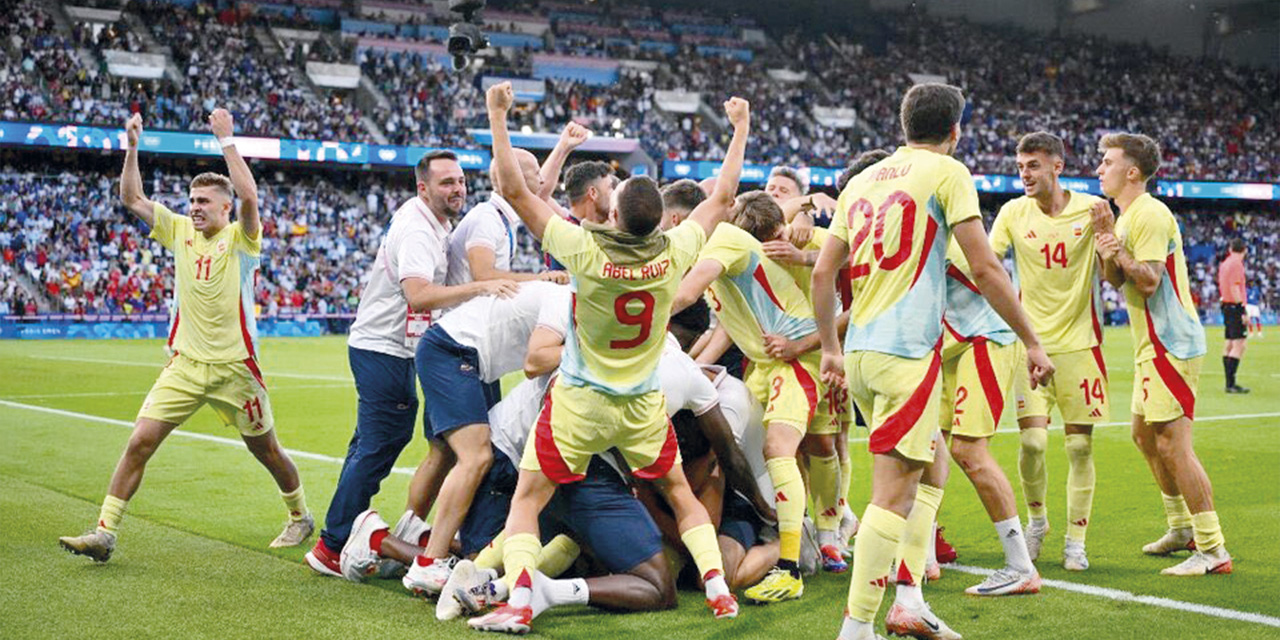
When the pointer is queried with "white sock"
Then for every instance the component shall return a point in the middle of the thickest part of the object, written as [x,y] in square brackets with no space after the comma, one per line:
[1015,545]
[716,586]
[828,538]
[908,595]
[855,630]
[1040,522]
[500,591]
[549,593]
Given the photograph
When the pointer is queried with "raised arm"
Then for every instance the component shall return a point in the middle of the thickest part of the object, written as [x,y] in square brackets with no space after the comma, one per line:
[533,211]
[997,288]
[695,283]
[241,177]
[571,138]
[716,207]
[131,193]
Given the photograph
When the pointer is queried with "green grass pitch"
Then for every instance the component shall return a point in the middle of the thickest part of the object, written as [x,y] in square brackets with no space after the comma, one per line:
[193,559]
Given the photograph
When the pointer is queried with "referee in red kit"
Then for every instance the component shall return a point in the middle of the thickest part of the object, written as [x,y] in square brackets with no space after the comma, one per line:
[1231,287]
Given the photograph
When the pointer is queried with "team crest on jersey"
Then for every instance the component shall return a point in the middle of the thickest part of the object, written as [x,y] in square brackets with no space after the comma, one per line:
[1077,230]
[222,247]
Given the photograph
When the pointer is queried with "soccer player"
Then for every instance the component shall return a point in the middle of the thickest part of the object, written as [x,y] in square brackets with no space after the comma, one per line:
[916,201]
[405,292]
[624,280]
[211,338]
[754,296]
[1050,231]
[1233,291]
[785,184]
[1142,255]
[979,359]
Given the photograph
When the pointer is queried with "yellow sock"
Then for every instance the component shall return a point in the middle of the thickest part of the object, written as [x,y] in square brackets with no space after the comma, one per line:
[1031,469]
[824,474]
[785,475]
[1080,481]
[846,481]
[1175,509]
[913,551]
[519,552]
[490,557]
[296,502]
[873,556]
[109,516]
[558,555]
[1208,532]
[704,548]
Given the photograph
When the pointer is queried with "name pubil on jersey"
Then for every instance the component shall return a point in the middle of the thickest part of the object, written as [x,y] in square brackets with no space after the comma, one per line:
[648,271]
[890,173]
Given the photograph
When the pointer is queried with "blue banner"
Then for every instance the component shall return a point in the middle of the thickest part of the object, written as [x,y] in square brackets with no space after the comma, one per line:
[51,329]
[70,136]
[826,177]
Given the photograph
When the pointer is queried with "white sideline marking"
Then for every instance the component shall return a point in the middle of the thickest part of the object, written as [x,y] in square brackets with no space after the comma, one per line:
[158,365]
[1058,427]
[96,394]
[1113,594]
[179,432]
[1126,596]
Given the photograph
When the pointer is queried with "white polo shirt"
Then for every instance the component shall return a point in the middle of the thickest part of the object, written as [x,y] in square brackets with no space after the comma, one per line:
[511,420]
[415,246]
[746,419]
[499,328]
[492,224]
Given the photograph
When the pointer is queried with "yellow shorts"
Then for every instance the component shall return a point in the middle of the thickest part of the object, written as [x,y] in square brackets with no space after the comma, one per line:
[577,423]
[234,389]
[1164,389]
[899,399]
[1078,388]
[838,401]
[793,393]
[976,377]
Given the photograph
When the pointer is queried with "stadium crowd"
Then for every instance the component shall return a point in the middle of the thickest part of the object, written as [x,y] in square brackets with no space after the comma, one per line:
[1212,125]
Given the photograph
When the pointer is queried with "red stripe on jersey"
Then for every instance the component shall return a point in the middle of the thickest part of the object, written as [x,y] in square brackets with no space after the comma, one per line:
[1102,364]
[810,387]
[952,330]
[666,458]
[1093,315]
[930,231]
[173,331]
[1170,268]
[955,272]
[987,376]
[763,280]
[244,332]
[257,373]
[549,458]
[1168,373]
[889,434]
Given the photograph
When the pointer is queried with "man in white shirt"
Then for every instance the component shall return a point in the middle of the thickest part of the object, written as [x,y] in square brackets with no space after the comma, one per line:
[405,289]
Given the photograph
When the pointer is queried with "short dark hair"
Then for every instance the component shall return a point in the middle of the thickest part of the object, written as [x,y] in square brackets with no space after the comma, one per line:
[1237,245]
[757,214]
[1043,142]
[691,323]
[578,179]
[793,174]
[422,172]
[929,111]
[639,205]
[860,164]
[1142,150]
[682,195]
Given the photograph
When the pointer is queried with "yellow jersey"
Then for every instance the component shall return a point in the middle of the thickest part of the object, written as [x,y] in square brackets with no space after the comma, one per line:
[1055,269]
[968,314]
[623,288]
[754,295]
[897,217]
[803,273]
[212,318]
[1167,322]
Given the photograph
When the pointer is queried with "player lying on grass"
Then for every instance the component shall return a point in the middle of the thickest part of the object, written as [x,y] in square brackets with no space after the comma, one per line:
[753,296]
[1142,255]
[915,201]
[607,394]
[212,336]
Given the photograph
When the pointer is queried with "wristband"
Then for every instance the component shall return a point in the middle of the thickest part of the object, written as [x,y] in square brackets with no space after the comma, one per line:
[227,142]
